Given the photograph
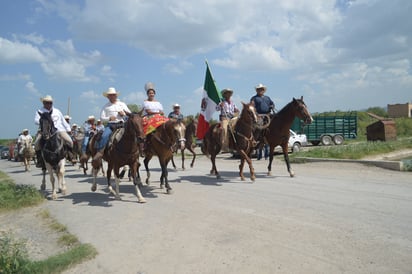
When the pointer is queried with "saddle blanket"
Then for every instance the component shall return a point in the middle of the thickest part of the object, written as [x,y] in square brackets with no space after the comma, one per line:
[150,123]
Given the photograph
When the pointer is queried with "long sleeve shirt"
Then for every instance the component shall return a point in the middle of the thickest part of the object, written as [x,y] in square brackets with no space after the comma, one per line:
[227,110]
[58,119]
[113,109]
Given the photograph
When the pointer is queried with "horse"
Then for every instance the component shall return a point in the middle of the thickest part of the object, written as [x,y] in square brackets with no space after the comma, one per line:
[28,153]
[277,132]
[122,151]
[53,153]
[240,139]
[162,143]
[84,161]
[189,134]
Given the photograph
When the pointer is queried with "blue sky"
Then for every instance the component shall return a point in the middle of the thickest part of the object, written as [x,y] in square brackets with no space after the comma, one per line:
[339,55]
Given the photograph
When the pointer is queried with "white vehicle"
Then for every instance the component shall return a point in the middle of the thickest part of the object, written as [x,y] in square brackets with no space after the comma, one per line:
[296,141]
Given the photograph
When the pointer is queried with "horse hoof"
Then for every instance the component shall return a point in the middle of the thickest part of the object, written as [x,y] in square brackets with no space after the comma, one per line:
[94,188]
[54,197]
[169,191]
[43,187]
[117,198]
[253,179]
[218,176]
[141,201]
[242,178]
[292,174]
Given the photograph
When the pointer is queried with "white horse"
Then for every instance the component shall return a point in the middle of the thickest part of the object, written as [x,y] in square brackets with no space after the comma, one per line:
[27,152]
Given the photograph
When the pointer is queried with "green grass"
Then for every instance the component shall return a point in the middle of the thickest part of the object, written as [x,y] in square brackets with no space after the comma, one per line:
[14,196]
[356,150]
[14,257]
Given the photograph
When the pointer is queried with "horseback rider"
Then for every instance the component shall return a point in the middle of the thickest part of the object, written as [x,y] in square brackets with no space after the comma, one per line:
[264,106]
[114,113]
[63,128]
[89,129]
[228,110]
[176,114]
[24,137]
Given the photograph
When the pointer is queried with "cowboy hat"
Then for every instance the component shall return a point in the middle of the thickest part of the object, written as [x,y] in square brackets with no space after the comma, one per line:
[74,125]
[24,130]
[260,86]
[227,90]
[149,86]
[111,90]
[46,98]
[67,117]
[91,117]
[176,106]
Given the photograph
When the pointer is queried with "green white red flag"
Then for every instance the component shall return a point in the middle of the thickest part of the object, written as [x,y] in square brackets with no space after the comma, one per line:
[211,97]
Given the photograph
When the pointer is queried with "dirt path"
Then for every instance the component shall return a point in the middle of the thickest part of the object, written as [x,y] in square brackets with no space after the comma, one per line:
[330,218]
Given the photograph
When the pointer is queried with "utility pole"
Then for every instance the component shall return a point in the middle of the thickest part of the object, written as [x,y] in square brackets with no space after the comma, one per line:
[68,106]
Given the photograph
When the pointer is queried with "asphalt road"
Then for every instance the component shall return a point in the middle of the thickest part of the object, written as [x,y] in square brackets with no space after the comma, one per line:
[329,218]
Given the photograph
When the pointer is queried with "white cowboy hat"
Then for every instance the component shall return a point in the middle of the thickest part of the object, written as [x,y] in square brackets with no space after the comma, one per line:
[91,117]
[74,125]
[67,117]
[111,90]
[176,106]
[259,86]
[24,130]
[227,90]
[46,98]
[149,86]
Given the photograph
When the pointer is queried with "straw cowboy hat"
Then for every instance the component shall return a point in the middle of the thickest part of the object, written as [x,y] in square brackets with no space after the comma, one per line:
[67,117]
[91,117]
[46,98]
[74,125]
[260,86]
[24,130]
[111,90]
[149,86]
[227,91]
[176,106]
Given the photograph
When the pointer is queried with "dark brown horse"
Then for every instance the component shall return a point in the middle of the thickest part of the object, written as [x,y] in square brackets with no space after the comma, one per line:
[189,134]
[278,132]
[124,151]
[164,142]
[241,140]
[84,159]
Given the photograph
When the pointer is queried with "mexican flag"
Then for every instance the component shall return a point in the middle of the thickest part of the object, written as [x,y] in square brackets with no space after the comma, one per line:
[211,97]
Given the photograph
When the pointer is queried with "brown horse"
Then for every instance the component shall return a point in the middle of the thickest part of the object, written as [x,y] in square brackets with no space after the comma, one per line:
[164,142]
[189,134]
[124,151]
[84,159]
[278,132]
[240,139]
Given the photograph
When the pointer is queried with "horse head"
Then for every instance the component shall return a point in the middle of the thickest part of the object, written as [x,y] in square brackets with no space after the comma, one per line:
[47,127]
[177,130]
[249,112]
[135,122]
[302,111]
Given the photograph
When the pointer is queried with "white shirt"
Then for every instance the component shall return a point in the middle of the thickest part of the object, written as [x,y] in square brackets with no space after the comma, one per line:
[113,109]
[154,106]
[57,117]
[23,138]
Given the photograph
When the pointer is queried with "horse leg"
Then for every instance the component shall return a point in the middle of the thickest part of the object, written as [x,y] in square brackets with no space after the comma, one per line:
[246,158]
[173,163]
[271,153]
[214,170]
[194,156]
[43,181]
[96,165]
[60,177]
[286,157]
[116,178]
[51,171]
[183,159]
[165,179]
[25,164]
[136,181]
[146,166]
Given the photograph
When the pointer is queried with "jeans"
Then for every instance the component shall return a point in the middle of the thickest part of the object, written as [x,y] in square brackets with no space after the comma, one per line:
[85,142]
[105,138]
[266,149]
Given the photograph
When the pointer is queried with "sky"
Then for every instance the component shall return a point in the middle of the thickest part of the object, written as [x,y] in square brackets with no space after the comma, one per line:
[341,55]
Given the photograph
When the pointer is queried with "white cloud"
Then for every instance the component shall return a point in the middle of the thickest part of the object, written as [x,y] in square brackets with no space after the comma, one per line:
[17,52]
[32,89]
